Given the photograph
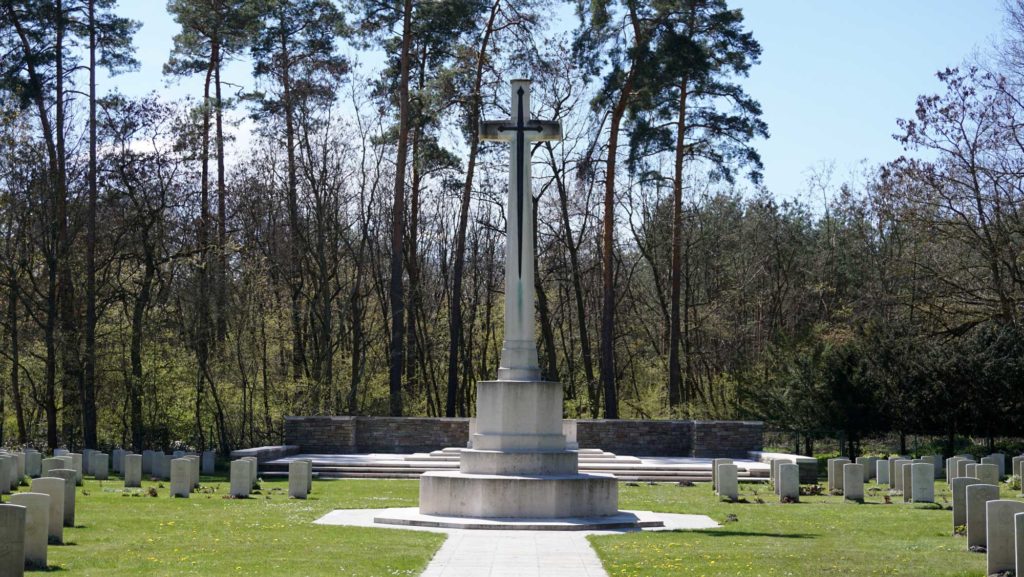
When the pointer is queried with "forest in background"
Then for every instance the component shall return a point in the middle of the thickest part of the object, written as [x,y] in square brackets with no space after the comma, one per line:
[160,290]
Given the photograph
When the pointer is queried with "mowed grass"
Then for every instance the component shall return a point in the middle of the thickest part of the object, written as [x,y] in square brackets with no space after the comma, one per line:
[821,536]
[266,535]
[271,535]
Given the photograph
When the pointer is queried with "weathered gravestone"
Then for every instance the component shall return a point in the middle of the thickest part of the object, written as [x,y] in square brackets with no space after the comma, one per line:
[882,471]
[100,465]
[959,489]
[961,467]
[997,459]
[977,496]
[181,478]
[209,463]
[133,470]
[922,483]
[37,524]
[1000,542]
[987,473]
[853,482]
[76,464]
[728,482]
[241,479]
[714,471]
[69,494]
[789,482]
[298,479]
[54,487]
[12,540]
[835,474]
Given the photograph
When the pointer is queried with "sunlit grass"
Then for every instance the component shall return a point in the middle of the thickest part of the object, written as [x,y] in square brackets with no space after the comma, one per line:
[821,536]
[267,535]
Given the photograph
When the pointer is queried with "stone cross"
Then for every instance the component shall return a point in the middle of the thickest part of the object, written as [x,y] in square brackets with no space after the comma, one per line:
[519,350]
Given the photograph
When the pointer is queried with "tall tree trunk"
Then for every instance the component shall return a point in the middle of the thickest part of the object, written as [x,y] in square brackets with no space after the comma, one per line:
[297,245]
[611,407]
[202,320]
[577,288]
[221,286]
[675,389]
[138,334]
[89,377]
[396,352]
[12,321]
[455,332]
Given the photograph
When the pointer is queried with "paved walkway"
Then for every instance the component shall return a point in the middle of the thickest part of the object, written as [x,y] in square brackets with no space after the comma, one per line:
[485,553]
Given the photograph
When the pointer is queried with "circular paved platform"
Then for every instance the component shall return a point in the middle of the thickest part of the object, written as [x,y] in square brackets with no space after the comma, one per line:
[411,517]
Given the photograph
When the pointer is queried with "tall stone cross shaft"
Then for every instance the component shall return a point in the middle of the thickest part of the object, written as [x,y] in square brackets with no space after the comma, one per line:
[519,350]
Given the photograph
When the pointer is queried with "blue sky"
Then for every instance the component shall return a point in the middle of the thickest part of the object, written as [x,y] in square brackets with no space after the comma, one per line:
[834,75]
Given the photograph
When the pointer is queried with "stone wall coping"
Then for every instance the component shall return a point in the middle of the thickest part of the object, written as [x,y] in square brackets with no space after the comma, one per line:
[766,457]
[266,453]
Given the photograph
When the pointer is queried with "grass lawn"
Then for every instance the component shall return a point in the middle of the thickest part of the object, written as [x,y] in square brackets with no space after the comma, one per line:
[271,535]
[821,536]
[267,535]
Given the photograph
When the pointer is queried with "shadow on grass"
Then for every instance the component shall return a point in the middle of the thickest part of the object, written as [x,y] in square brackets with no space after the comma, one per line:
[725,532]
[47,569]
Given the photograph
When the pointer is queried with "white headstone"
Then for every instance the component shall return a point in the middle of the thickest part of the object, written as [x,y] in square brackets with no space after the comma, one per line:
[76,464]
[961,467]
[988,473]
[853,483]
[959,489]
[33,464]
[87,461]
[714,472]
[69,476]
[835,474]
[298,479]
[1001,545]
[241,479]
[788,481]
[922,483]
[147,461]
[253,470]
[209,462]
[37,524]
[8,472]
[61,452]
[194,464]
[20,459]
[181,478]
[133,470]
[1015,465]
[936,463]
[1018,538]
[54,487]
[100,465]
[997,459]
[977,496]
[12,540]
[882,471]
[728,482]
[869,467]
[896,473]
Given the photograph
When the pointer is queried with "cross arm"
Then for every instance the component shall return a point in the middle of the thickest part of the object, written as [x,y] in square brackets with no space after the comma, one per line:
[491,130]
[548,130]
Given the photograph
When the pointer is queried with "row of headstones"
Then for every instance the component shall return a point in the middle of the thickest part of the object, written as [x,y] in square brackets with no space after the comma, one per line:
[30,521]
[785,477]
[992,524]
[29,462]
[244,477]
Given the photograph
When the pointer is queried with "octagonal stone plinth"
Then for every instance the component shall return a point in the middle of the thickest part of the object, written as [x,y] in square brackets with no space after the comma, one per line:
[456,494]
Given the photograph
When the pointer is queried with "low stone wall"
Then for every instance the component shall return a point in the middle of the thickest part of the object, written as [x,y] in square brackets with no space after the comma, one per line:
[268,453]
[647,438]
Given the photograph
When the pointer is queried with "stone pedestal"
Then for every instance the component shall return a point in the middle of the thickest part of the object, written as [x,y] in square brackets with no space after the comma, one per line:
[518,466]
[12,540]
[37,522]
